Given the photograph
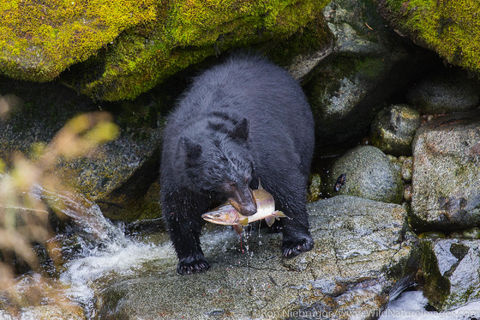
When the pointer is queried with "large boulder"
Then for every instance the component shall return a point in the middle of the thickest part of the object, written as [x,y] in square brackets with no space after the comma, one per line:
[368,174]
[129,46]
[446,91]
[361,252]
[448,27]
[446,175]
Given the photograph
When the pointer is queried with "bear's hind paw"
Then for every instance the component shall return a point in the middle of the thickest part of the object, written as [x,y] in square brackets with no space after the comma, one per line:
[192,265]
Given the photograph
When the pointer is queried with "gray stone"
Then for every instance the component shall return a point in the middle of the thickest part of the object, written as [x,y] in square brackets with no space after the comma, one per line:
[119,172]
[393,129]
[369,174]
[451,272]
[359,255]
[348,88]
[407,169]
[445,92]
[446,175]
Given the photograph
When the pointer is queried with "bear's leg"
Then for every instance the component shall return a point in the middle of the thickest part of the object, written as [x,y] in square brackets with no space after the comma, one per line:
[290,197]
[182,214]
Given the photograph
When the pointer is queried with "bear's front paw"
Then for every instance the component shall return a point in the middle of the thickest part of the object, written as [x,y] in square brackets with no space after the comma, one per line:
[192,264]
[294,247]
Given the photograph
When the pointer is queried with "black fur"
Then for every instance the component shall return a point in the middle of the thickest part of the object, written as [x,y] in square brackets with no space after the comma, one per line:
[239,121]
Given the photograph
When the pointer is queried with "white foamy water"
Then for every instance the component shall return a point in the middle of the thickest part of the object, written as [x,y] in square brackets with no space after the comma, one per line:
[410,305]
[122,259]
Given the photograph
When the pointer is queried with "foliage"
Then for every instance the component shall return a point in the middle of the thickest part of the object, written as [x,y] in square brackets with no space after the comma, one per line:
[24,217]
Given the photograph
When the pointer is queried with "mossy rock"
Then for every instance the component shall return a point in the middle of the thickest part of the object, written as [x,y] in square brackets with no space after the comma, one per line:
[127,47]
[38,39]
[450,28]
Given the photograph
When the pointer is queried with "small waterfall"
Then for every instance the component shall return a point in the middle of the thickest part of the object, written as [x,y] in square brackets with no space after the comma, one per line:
[104,246]
[84,213]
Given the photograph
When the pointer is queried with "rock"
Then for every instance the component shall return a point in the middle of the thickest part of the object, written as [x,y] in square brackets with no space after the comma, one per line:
[407,169]
[446,175]
[315,189]
[302,52]
[393,129]
[369,174]
[450,268]
[449,28]
[117,175]
[33,296]
[368,63]
[445,92]
[407,193]
[361,252]
[46,38]
[127,48]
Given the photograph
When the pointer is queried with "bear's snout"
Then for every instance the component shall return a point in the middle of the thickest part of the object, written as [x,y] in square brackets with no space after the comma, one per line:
[243,201]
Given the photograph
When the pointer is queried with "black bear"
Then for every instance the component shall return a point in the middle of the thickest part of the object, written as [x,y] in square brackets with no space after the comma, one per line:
[240,121]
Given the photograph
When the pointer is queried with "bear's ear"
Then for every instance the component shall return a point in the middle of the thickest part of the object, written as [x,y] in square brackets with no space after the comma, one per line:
[240,131]
[192,149]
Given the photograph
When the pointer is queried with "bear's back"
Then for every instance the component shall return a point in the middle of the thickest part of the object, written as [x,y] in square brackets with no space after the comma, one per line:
[248,87]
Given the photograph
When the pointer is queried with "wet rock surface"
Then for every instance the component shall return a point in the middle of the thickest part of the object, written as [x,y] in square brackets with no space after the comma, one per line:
[445,92]
[450,267]
[446,175]
[393,129]
[361,250]
[368,174]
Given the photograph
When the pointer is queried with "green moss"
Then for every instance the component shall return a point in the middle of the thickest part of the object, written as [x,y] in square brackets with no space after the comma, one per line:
[451,28]
[189,32]
[143,41]
[38,40]
[436,287]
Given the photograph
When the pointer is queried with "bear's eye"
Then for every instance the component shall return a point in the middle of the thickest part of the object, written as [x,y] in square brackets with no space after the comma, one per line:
[229,186]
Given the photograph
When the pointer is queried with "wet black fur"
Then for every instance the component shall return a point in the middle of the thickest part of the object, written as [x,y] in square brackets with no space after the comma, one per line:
[239,121]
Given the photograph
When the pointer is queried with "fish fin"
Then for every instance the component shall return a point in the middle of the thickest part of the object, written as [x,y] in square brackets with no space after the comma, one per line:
[279,214]
[238,228]
[243,221]
[270,220]
[259,185]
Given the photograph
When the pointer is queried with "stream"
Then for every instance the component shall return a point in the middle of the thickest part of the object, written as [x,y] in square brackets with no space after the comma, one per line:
[105,251]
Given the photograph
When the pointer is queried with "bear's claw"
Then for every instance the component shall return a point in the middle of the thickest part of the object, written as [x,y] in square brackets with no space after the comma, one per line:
[192,265]
[291,249]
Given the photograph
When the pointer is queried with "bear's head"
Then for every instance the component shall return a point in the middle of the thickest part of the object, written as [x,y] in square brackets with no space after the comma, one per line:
[222,165]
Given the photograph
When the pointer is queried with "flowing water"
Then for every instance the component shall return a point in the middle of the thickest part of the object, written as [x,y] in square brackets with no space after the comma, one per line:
[412,305]
[106,250]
